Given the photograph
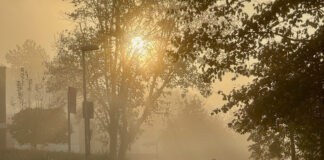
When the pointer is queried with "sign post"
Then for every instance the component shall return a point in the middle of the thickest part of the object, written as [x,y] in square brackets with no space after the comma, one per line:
[87,114]
[3,128]
[71,109]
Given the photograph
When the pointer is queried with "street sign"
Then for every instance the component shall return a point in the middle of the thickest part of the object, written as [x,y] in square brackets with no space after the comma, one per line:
[88,108]
[72,100]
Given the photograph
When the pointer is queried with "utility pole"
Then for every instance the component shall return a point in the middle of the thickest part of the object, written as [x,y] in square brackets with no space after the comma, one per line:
[3,126]
[85,106]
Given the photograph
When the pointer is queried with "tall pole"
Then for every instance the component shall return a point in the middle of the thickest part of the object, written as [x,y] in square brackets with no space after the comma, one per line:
[86,117]
[85,106]
[71,108]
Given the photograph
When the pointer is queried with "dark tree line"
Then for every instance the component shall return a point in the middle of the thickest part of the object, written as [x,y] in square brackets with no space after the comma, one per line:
[282,109]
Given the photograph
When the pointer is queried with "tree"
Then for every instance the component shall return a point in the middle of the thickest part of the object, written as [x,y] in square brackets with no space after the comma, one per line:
[124,80]
[286,96]
[39,126]
[28,63]
[30,56]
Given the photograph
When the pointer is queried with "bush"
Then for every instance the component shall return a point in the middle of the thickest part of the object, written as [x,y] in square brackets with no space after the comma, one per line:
[13,154]
[39,126]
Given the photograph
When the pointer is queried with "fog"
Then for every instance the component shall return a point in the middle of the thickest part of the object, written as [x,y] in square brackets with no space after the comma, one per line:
[161,80]
[42,20]
[191,132]
[39,20]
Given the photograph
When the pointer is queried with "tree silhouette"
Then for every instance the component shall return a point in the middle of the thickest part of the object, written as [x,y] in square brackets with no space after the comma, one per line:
[125,84]
[285,99]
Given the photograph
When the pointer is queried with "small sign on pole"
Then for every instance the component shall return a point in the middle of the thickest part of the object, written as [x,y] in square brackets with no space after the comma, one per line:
[72,100]
[88,108]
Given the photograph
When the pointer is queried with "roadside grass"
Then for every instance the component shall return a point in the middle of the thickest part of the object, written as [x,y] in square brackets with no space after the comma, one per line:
[14,154]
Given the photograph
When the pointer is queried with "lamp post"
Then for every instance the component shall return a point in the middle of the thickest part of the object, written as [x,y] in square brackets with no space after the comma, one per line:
[85,113]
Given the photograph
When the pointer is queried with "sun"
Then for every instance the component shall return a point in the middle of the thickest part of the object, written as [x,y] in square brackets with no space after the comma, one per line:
[138,45]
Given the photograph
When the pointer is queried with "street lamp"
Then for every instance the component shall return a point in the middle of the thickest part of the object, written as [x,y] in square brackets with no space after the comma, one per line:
[84,49]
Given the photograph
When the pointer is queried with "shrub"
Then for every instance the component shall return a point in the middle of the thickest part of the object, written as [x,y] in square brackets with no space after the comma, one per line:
[39,126]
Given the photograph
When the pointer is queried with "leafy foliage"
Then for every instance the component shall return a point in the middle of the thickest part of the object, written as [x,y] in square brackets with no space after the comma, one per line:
[281,45]
[39,126]
[30,56]
[28,64]
[126,85]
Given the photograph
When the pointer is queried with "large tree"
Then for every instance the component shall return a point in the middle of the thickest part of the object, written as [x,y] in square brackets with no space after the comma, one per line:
[284,39]
[146,47]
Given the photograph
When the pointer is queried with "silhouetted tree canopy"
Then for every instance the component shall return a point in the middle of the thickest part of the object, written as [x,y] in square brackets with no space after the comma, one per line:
[281,45]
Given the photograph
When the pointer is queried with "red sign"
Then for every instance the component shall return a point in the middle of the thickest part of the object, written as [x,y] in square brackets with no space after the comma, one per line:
[72,100]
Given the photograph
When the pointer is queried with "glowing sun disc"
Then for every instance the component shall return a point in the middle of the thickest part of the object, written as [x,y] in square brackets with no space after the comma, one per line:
[138,45]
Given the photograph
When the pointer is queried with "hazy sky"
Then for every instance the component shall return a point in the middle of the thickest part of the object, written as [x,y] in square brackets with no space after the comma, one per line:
[42,20]
[39,20]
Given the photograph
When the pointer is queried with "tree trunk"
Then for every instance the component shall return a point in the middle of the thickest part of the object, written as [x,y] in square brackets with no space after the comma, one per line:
[123,126]
[292,145]
[322,144]
[124,135]
[113,135]
[113,144]
[123,149]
